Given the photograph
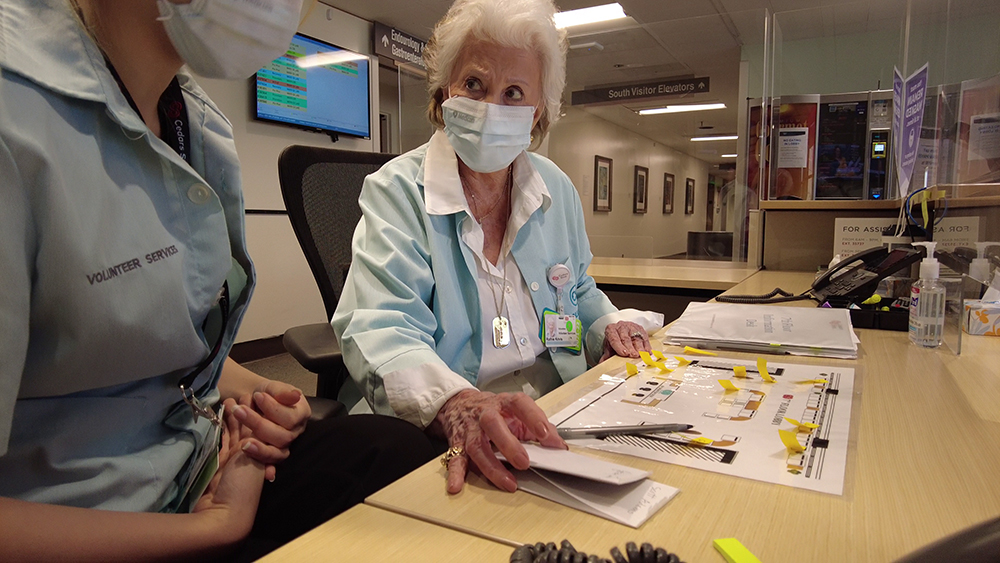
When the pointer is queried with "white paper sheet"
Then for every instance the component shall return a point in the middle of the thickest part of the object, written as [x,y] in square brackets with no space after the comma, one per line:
[767,329]
[738,430]
[609,490]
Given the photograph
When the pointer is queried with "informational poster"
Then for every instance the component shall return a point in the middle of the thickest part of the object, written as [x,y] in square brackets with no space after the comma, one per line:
[978,156]
[796,148]
[774,422]
[854,235]
[793,151]
[909,97]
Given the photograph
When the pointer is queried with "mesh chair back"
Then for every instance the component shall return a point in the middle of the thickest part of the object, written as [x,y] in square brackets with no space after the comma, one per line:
[321,188]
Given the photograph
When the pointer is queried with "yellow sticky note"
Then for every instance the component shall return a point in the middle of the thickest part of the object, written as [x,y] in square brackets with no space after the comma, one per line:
[803,426]
[682,361]
[701,441]
[660,365]
[728,385]
[734,551]
[740,371]
[791,442]
[811,381]
[690,350]
[631,368]
[659,355]
[646,358]
[762,370]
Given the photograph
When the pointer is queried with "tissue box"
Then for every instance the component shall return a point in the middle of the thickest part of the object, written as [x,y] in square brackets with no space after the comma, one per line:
[982,317]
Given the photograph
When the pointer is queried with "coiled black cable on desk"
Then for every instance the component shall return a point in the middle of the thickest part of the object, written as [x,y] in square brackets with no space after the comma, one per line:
[566,553]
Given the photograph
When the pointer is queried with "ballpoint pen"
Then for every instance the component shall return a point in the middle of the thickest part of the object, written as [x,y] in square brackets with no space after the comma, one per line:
[601,431]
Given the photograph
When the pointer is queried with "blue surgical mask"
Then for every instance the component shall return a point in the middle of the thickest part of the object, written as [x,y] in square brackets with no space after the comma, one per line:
[487,137]
[230,38]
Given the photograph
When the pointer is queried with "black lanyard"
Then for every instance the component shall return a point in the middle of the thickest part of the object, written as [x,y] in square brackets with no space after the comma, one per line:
[171,111]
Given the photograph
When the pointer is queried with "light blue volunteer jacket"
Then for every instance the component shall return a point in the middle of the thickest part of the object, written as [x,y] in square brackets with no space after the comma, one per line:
[410,310]
[112,252]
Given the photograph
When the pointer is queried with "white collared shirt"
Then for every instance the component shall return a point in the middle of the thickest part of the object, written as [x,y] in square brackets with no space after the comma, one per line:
[500,284]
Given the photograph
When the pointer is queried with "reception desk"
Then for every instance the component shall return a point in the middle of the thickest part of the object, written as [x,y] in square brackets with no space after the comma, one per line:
[922,463]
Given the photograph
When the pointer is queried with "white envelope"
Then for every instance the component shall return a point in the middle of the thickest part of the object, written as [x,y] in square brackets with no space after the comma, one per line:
[617,492]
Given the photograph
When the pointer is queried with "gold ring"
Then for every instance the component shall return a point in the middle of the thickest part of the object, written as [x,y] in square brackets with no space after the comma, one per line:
[636,334]
[452,453]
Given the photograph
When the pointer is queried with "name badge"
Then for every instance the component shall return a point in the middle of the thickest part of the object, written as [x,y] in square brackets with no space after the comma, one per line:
[561,331]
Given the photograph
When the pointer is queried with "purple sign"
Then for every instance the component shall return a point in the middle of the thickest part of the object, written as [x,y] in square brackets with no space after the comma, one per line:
[911,117]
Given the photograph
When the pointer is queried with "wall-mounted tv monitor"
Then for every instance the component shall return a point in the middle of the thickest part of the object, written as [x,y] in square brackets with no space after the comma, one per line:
[315,86]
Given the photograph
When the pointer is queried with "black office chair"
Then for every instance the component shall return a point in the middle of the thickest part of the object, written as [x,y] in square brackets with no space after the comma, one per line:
[321,188]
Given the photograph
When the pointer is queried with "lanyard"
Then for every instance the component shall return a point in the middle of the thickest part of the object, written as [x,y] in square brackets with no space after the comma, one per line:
[198,407]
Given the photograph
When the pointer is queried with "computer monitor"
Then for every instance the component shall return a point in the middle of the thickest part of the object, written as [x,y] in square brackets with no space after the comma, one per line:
[315,86]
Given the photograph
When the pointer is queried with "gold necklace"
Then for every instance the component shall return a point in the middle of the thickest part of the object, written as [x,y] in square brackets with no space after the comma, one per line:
[496,203]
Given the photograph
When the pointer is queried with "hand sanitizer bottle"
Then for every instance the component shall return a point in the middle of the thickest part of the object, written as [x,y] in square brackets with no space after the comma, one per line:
[927,298]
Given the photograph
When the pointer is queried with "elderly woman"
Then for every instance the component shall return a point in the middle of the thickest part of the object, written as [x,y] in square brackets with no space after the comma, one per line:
[468,295]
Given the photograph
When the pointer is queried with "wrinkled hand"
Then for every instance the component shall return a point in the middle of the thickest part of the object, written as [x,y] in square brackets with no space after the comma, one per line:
[276,413]
[473,419]
[231,499]
[625,338]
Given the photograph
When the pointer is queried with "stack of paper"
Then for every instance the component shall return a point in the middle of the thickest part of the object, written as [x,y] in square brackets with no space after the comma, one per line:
[771,329]
[617,492]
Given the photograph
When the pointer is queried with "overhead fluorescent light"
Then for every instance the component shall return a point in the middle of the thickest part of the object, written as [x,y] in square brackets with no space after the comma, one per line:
[716,138]
[729,155]
[681,108]
[588,45]
[594,14]
[331,58]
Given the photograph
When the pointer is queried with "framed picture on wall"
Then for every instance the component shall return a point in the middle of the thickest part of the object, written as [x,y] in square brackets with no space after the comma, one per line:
[602,183]
[641,196]
[689,197]
[668,193]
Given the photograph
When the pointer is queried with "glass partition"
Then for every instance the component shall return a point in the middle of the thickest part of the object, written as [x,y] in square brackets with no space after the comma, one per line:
[655,181]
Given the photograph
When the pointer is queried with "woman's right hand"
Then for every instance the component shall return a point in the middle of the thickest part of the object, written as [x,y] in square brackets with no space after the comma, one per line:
[230,501]
[473,419]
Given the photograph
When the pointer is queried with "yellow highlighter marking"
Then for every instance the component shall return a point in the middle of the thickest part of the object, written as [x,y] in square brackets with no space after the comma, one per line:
[791,442]
[811,381]
[762,369]
[740,371]
[806,427]
[728,385]
[734,551]
[690,350]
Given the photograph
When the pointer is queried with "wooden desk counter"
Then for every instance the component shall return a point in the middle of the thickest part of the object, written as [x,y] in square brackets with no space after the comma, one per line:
[922,464]
[364,533]
[665,273]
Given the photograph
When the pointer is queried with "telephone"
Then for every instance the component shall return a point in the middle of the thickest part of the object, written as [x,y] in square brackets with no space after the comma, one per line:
[856,277]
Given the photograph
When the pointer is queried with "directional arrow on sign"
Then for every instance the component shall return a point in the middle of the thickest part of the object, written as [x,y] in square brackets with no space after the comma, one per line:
[385,41]
[701,85]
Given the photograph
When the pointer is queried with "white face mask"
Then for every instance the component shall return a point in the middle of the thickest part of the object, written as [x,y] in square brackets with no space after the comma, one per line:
[487,137]
[230,38]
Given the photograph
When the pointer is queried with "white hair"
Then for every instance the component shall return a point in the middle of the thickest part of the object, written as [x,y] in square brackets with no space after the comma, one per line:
[521,24]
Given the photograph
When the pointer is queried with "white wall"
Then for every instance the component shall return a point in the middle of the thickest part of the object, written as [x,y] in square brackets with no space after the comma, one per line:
[572,144]
[286,294]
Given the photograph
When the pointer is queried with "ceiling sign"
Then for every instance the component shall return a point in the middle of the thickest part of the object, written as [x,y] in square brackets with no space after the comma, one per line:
[399,46]
[658,89]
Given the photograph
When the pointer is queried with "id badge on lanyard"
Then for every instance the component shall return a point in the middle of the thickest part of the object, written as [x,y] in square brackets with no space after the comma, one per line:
[560,330]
